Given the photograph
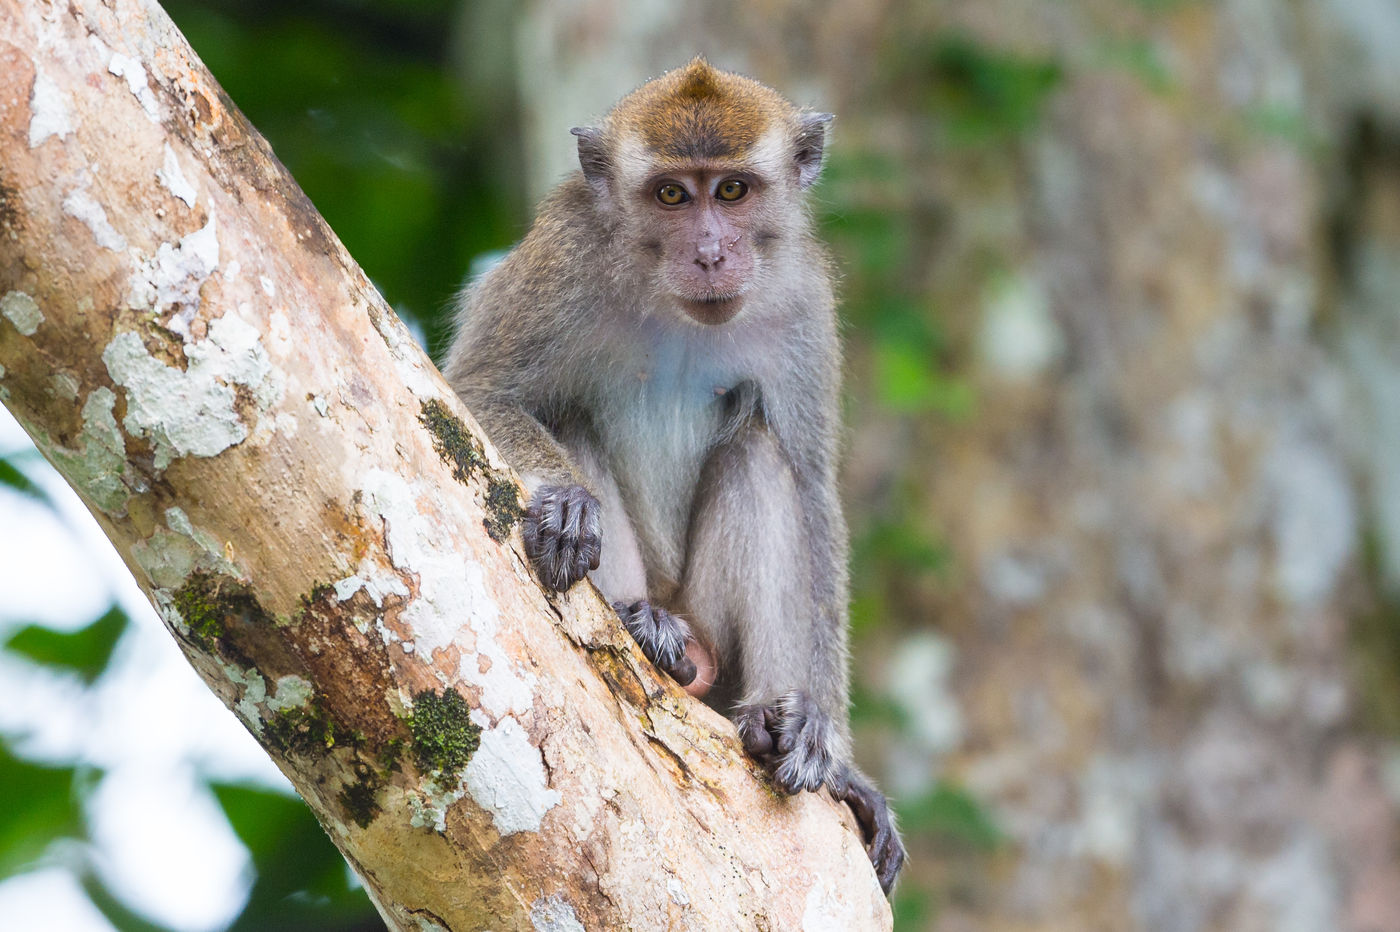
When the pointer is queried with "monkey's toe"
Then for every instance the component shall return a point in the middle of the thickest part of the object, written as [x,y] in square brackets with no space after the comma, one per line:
[755,723]
[662,637]
[563,536]
[794,740]
[872,811]
[806,745]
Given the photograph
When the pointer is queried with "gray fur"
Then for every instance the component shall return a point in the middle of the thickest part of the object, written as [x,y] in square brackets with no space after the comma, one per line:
[711,449]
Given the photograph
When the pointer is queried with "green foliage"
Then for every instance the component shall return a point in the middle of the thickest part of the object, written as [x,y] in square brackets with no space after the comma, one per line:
[908,381]
[41,804]
[1374,636]
[1141,58]
[1286,123]
[12,478]
[302,881]
[976,95]
[913,908]
[115,911]
[870,708]
[359,102]
[86,651]
[950,814]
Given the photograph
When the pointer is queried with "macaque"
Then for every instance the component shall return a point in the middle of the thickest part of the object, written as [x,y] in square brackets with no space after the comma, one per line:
[659,359]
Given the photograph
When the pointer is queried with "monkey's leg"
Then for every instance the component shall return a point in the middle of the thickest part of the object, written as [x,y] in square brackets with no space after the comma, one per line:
[748,583]
[621,576]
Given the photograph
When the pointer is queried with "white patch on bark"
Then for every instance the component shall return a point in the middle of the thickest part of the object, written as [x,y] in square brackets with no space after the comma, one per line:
[253,694]
[408,356]
[171,279]
[22,311]
[504,691]
[96,464]
[677,892]
[1114,794]
[431,802]
[919,682]
[81,206]
[377,584]
[48,110]
[554,914]
[293,692]
[444,598]
[1020,338]
[173,552]
[65,385]
[191,412]
[1314,519]
[135,76]
[506,777]
[452,595]
[174,179]
[824,912]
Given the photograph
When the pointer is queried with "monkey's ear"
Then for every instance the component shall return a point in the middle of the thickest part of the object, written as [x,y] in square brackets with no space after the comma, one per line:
[811,142]
[593,157]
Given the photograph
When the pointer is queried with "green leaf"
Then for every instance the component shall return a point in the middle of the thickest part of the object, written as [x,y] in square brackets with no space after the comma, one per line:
[40,805]
[950,813]
[302,881]
[911,382]
[12,478]
[116,912]
[86,651]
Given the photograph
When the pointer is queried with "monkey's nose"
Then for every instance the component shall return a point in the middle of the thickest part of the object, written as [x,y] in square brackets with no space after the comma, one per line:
[708,256]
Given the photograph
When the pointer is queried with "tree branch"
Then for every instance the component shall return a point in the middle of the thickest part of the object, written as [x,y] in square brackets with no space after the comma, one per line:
[324,531]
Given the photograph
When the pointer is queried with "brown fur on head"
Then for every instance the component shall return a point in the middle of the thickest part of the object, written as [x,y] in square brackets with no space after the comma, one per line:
[700,116]
[697,113]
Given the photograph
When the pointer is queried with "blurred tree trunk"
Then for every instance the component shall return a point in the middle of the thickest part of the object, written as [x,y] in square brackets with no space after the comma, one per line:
[1146,257]
[329,539]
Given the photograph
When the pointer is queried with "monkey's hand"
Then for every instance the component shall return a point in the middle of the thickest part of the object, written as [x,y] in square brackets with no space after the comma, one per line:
[562,534]
[796,741]
[882,841]
[662,637]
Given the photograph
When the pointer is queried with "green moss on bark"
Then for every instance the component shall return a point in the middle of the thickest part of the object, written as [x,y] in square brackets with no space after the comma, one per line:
[444,738]
[209,602]
[460,450]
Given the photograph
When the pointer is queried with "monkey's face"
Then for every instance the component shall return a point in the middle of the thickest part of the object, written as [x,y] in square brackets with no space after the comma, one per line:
[705,173]
[700,224]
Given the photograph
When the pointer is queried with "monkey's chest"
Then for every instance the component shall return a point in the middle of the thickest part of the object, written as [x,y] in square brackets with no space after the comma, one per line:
[657,439]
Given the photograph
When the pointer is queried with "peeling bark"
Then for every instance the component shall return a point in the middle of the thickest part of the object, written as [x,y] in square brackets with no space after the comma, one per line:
[316,518]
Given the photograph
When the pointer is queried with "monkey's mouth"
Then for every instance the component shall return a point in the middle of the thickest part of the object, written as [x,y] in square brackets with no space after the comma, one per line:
[712,308]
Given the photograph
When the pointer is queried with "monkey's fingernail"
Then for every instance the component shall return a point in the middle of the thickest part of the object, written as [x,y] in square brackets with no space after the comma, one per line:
[684,672]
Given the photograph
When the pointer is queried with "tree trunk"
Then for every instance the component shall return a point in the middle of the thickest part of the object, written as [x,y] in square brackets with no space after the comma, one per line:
[328,537]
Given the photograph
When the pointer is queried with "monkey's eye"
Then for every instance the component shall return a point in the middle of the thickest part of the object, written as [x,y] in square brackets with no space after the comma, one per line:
[732,190]
[671,194]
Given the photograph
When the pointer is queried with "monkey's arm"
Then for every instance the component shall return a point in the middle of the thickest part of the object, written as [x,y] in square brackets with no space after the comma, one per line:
[562,528]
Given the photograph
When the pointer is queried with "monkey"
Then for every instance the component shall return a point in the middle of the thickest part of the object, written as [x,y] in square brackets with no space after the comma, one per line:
[659,359]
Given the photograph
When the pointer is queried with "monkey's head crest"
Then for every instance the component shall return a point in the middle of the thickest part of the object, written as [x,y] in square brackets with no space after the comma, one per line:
[698,112]
[698,115]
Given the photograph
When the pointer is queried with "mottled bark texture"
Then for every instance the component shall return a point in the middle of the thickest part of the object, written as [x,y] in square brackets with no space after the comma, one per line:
[1151,251]
[320,525]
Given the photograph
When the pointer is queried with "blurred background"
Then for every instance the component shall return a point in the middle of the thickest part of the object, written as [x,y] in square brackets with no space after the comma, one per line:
[1121,293]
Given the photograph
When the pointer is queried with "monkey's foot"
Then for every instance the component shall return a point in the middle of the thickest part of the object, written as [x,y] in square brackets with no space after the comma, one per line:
[562,535]
[793,739]
[662,637]
[882,841]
